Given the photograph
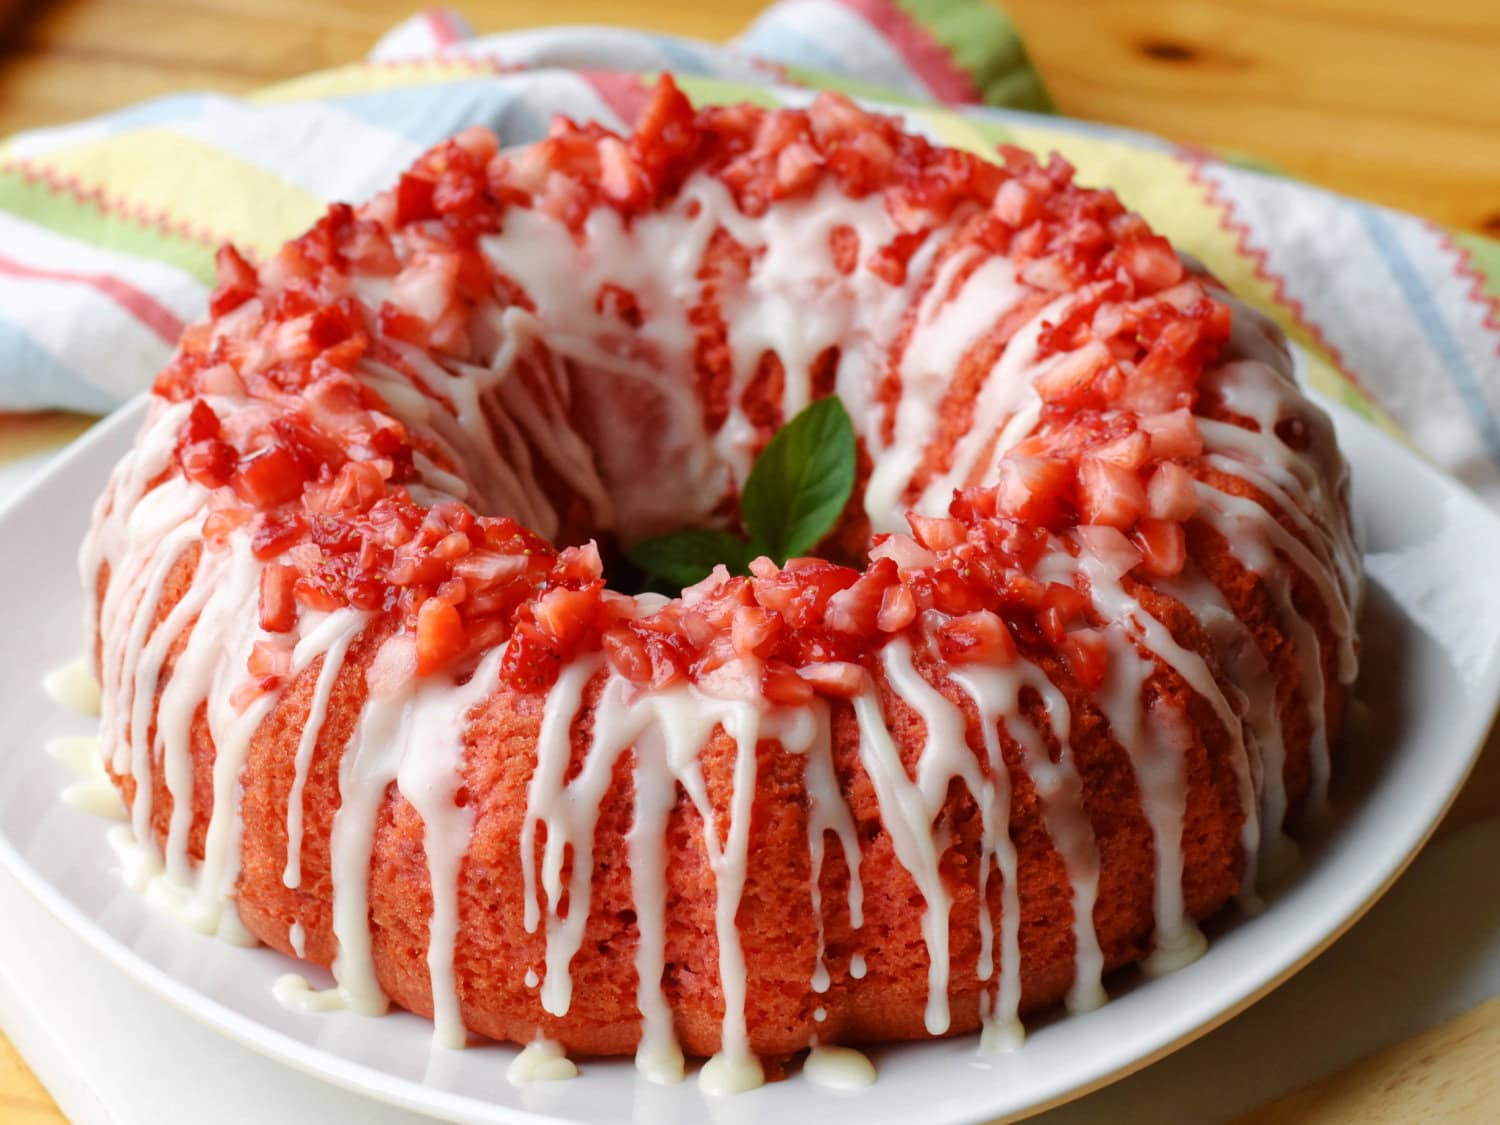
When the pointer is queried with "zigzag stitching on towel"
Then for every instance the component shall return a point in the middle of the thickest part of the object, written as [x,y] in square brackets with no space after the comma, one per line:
[473,64]
[1463,266]
[1195,162]
[138,213]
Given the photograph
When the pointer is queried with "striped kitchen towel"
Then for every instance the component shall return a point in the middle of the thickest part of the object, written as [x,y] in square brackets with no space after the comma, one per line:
[107,227]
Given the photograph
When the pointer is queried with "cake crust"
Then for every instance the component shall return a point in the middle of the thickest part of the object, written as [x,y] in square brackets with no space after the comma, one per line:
[363,700]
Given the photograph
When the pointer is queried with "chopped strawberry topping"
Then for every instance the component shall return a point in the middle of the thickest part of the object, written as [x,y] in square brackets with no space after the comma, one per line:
[318,473]
[440,635]
[278,609]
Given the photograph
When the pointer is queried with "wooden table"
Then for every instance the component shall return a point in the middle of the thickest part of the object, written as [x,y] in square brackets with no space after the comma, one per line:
[1392,101]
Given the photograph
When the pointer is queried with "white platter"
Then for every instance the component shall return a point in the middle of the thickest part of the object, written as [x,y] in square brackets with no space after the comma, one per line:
[1431,680]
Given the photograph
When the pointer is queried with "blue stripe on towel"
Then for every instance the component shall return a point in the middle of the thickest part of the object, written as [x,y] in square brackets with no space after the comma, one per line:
[32,378]
[1434,327]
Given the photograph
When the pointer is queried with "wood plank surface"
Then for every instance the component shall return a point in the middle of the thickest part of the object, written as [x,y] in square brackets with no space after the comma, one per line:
[1392,101]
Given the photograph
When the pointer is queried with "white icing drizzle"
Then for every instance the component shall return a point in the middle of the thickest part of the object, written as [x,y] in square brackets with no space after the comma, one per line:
[730,1074]
[73,686]
[541,1060]
[838,1068]
[569,812]
[1163,807]
[345,625]
[293,993]
[432,713]
[92,792]
[996,693]
[827,812]
[549,402]
[910,809]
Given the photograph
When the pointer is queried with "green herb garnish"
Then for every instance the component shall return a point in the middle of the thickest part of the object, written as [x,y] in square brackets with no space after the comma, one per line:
[793,497]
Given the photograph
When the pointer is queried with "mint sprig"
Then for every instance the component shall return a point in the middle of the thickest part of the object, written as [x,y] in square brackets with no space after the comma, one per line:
[792,498]
[686,557]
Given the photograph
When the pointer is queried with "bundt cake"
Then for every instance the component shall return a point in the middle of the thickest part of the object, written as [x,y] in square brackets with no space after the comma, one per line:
[376,694]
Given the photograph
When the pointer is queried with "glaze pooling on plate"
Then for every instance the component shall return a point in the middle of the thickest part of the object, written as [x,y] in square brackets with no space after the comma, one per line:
[350,397]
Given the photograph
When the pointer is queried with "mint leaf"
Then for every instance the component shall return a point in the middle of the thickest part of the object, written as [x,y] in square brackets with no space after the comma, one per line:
[801,481]
[685,557]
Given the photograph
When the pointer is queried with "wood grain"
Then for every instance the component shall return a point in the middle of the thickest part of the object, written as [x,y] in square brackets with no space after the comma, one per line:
[1384,99]
[1393,101]
[1450,1073]
[23,1101]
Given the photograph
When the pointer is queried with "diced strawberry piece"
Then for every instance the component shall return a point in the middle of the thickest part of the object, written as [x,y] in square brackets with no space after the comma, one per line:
[232,270]
[1129,451]
[278,608]
[565,615]
[221,379]
[274,532]
[268,477]
[398,324]
[781,685]
[855,608]
[936,533]
[333,324]
[440,635]
[627,654]
[209,463]
[1108,493]
[1087,654]
[1163,381]
[897,610]
[754,630]
[414,200]
[532,660]
[1151,261]
[1015,206]
[1173,433]
[486,568]
[971,504]
[427,287]
[580,564]
[269,660]
[237,281]
[218,525]
[976,638]
[1052,274]
[1034,489]
[622,183]
[904,551]
[368,248]
[1060,607]
[837,678]
[451,547]
[1110,546]
[1073,373]
[947,591]
[1171,493]
[1163,546]
[843,245]
[356,488]
[201,424]
[738,678]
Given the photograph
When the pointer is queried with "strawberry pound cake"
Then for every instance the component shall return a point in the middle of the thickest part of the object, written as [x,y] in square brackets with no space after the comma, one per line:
[1053,686]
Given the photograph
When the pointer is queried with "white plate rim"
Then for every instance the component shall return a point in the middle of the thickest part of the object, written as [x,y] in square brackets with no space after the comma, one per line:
[364,1079]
